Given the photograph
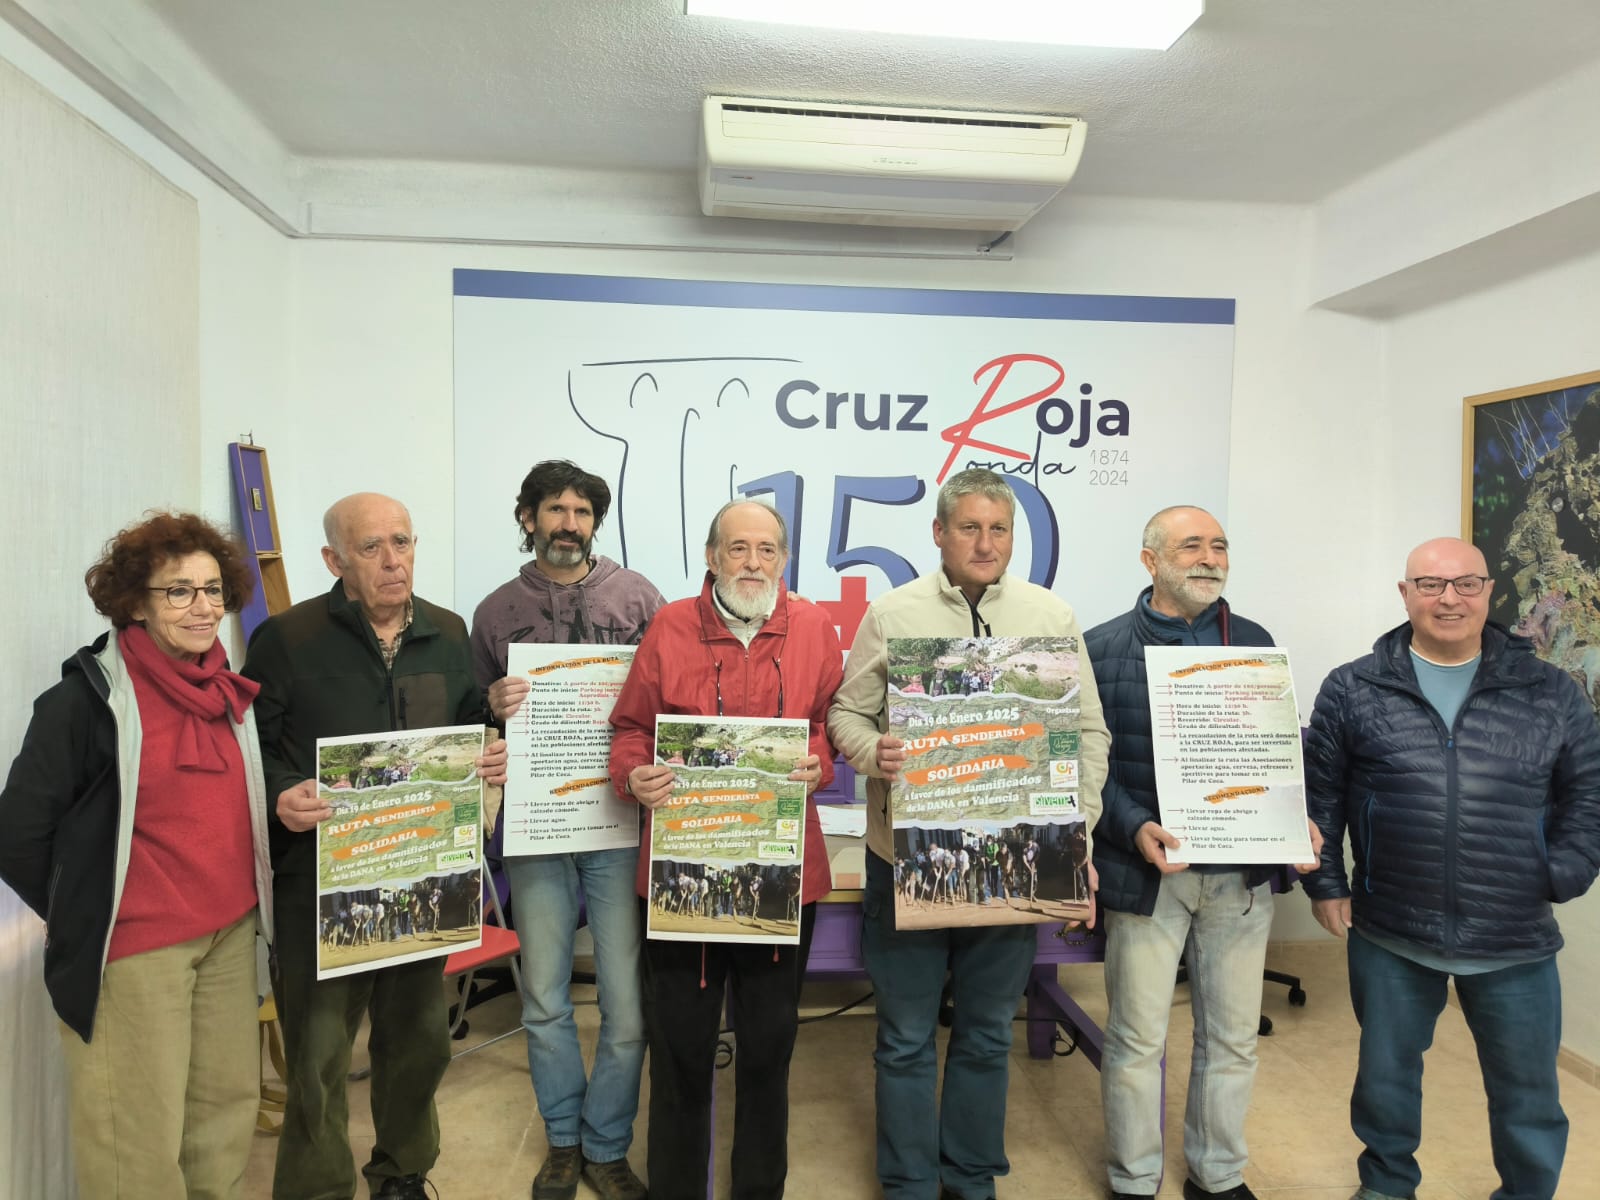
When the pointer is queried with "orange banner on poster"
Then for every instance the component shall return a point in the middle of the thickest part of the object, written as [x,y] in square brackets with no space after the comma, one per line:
[360,822]
[1221,664]
[974,735]
[722,796]
[384,845]
[577,785]
[1223,795]
[568,664]
[712,822]
[959,772]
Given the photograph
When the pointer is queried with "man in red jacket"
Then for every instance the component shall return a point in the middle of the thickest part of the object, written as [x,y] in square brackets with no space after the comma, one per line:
[741,648]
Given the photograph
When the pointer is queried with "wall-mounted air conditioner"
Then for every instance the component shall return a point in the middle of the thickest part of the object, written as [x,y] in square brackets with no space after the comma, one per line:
[928,168]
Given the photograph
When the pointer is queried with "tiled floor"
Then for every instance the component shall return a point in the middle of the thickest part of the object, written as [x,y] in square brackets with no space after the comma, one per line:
[1300,1141]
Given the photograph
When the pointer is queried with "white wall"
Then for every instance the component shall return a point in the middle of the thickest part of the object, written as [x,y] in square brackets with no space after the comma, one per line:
[121,314]
[1537,328]
[98,303]
[243,294]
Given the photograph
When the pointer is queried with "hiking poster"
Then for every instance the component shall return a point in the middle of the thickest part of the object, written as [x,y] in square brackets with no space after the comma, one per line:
[399,864]
[1226,734]
[559,798]
[986,822]
[728,847]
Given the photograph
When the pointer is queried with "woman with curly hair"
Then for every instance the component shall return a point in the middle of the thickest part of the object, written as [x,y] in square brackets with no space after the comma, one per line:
[134,822]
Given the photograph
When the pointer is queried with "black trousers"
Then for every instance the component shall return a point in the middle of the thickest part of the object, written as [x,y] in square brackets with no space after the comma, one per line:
[683,1017]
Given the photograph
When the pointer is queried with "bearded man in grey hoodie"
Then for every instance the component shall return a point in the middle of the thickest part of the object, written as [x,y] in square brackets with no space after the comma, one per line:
[570,594]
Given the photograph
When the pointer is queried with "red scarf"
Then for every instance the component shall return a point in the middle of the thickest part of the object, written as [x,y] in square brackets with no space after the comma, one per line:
[200,691]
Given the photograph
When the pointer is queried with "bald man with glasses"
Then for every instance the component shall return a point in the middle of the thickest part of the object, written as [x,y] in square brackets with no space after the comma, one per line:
[1467,773]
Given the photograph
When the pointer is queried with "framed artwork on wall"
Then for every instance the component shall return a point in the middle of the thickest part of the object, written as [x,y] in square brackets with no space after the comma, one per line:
[1530,500]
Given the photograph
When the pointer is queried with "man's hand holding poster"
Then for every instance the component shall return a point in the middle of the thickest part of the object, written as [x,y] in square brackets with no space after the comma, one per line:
[1226,735]
[727,847]
[399,864]
[987,826]
[559,798]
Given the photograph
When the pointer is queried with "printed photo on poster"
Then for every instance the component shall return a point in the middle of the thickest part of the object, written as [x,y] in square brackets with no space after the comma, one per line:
[399,864]
[559,798]
[986,822]
[727,849]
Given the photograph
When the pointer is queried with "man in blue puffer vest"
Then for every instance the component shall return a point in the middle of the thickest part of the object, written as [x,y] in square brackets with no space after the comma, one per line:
[1467,774]
[1153,907]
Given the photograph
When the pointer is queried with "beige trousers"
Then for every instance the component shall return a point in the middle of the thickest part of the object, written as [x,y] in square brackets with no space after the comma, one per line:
[164,1095]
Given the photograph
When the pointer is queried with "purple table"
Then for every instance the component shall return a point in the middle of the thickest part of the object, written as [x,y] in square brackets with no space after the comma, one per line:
[836,954]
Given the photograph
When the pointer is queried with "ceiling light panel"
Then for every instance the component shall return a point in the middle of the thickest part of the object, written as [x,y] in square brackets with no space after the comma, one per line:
[1133,24]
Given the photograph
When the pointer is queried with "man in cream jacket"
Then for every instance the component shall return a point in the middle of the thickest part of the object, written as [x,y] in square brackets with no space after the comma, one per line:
[952,1150]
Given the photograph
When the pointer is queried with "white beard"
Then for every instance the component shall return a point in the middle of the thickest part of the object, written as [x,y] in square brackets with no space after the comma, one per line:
[742,604]
[1193,596]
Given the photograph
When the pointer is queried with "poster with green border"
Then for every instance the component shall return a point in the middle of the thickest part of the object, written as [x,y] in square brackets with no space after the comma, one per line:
[399,864]
[727,848]
[986,822]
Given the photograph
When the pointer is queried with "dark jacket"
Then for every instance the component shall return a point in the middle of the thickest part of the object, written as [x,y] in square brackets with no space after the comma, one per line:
[322,675]
[66,820]
[1462,837]
[1127,882]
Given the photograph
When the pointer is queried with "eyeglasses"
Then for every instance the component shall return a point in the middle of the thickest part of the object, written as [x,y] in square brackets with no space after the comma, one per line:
[181,595]
[1465,585]
[765,552]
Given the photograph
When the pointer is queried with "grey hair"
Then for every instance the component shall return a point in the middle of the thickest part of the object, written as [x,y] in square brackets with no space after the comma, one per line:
[332,532]
[714,535]
[1155,529]
[333,527]
[975,481]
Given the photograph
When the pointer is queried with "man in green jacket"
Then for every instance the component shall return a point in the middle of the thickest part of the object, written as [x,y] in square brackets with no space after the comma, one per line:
[366,657]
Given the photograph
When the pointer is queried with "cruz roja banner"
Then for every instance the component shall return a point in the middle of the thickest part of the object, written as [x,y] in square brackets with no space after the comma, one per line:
[846,408]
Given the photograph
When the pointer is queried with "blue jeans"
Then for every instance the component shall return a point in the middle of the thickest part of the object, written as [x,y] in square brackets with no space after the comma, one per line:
[922,1144]
[1225,927]
[1515,1018]
[597,1113]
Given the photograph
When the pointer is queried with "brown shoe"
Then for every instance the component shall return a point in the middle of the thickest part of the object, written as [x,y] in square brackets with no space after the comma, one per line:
[558,1178]
[614,1180]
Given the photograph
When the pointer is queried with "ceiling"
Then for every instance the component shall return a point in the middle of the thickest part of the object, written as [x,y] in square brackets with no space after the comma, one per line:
[1262,100]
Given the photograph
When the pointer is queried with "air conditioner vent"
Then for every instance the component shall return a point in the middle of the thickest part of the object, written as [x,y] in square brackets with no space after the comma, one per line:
[854,164]
[909,118]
